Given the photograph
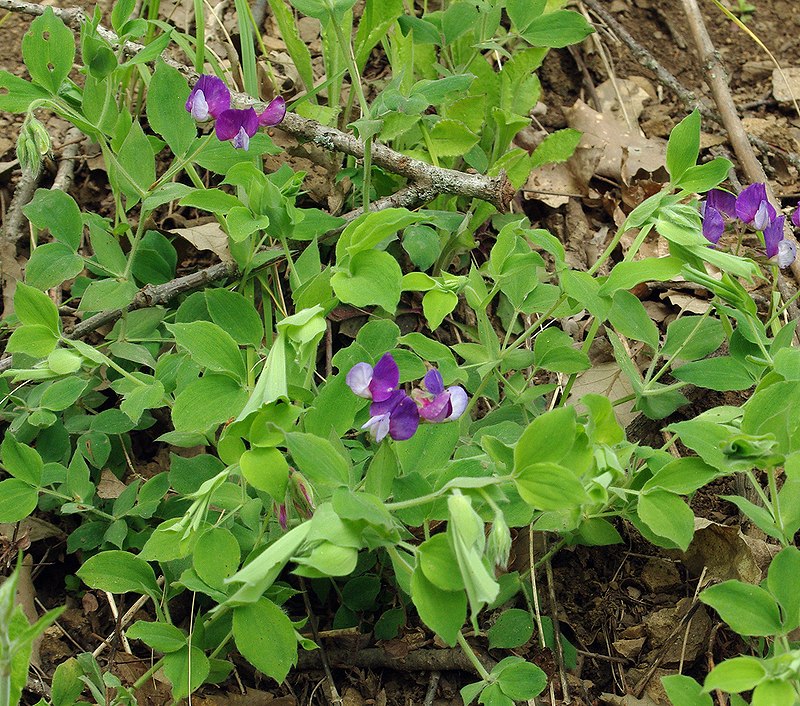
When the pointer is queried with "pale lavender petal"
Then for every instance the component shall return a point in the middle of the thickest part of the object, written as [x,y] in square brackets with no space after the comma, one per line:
[762,218]
[796,217]
[749,201]
[273,113]
[404,420]
[713,225]
[242,140]
[359,378]
[378,426]
[215,93]
[385,378]
[197,105]
[773,234]
[787,252]
[458,400]
[722,201]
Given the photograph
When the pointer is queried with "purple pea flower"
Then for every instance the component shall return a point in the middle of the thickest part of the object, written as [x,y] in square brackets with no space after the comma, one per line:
[722,201]
[440,404]
[773,235]
[238,126]
[209,98]
[796,217]
[396,416]
[753,208]
[376,384]
[713,224]
[273,113]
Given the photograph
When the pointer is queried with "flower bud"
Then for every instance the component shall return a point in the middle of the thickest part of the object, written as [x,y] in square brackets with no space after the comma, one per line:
[498,545]
[41,137]
[301,493]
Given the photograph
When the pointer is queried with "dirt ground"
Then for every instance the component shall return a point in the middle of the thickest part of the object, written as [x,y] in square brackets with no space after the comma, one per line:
[628,609]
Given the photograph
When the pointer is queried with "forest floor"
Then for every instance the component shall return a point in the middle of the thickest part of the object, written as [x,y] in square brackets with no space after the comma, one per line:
[623,607]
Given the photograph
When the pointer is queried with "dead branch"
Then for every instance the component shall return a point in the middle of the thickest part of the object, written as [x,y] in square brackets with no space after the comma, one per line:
[496,190]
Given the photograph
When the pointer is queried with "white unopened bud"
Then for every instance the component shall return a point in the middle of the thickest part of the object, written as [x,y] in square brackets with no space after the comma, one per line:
[498,545]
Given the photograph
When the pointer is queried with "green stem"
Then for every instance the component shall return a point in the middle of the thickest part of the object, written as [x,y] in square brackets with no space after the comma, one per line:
[683,345]
[430,497]
[776,506]
[140,682]
[587,344]
[473,658]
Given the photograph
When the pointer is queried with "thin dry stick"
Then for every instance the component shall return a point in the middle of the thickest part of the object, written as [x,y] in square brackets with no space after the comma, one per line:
[10,270]
[559,651]
[496,190]
[125,619]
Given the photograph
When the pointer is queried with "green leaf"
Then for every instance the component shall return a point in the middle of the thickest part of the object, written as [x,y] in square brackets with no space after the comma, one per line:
[166,108]
[723,373]
[702,177]
[16,94]
[67,684]
[557,147]
[62,394]
[318,459]
[56,211]
[667,516]
[35,307]
[554,350]
[236,315]
[210,347]
[162,637]
[359,593]
[557,29]
[422,245]
[34,340]
[522,681]
[265,637]
[242,223]
[213,200]
[216,556]
[207,402]
[48,49]
[436,305]
[782,580]
[748,609]
[450,138]
[298,51]
[444,612]
[735,675]
[685,691]
[523,12]
[374,278]
[437,561]
[683,476]
[693,337]
[549,486]
[107,250]
[266,469]
[138,162]
[368,230]
[629,317]
[108,294]
[775,692]
[683,147]
[51,264]
[512,629]
[17,500]
[119,572]
[549,437]
[626,275]
[186,670]
[155,259]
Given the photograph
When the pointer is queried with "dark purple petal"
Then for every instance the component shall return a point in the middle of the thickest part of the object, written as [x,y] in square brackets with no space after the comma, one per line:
[722,201]
[787,252]
[210,96]
[231,121]
[773,234]
[437,409]
[404,419]
[713,225]
[386,405]
[273,113]
[796,217]
[749,201]
[433,382]
[385,378]
[458,401]
[358,379]
[282,516]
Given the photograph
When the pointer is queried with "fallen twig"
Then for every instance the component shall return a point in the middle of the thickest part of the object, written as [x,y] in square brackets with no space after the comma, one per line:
[423,660]
[10,269]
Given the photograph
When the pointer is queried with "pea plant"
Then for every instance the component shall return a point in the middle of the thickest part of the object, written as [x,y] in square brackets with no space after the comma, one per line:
[390,470]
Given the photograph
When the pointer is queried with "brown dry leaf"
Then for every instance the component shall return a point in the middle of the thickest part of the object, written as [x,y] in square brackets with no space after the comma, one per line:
[624,151]
[786,86]
[633,98]
[33,528]
[608,380]
[725,553]
[109,487]
[253,697]
[208,236]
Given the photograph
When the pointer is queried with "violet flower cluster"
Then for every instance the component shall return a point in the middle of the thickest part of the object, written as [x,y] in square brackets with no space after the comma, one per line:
[394,411]
[211,99]
[752,208]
